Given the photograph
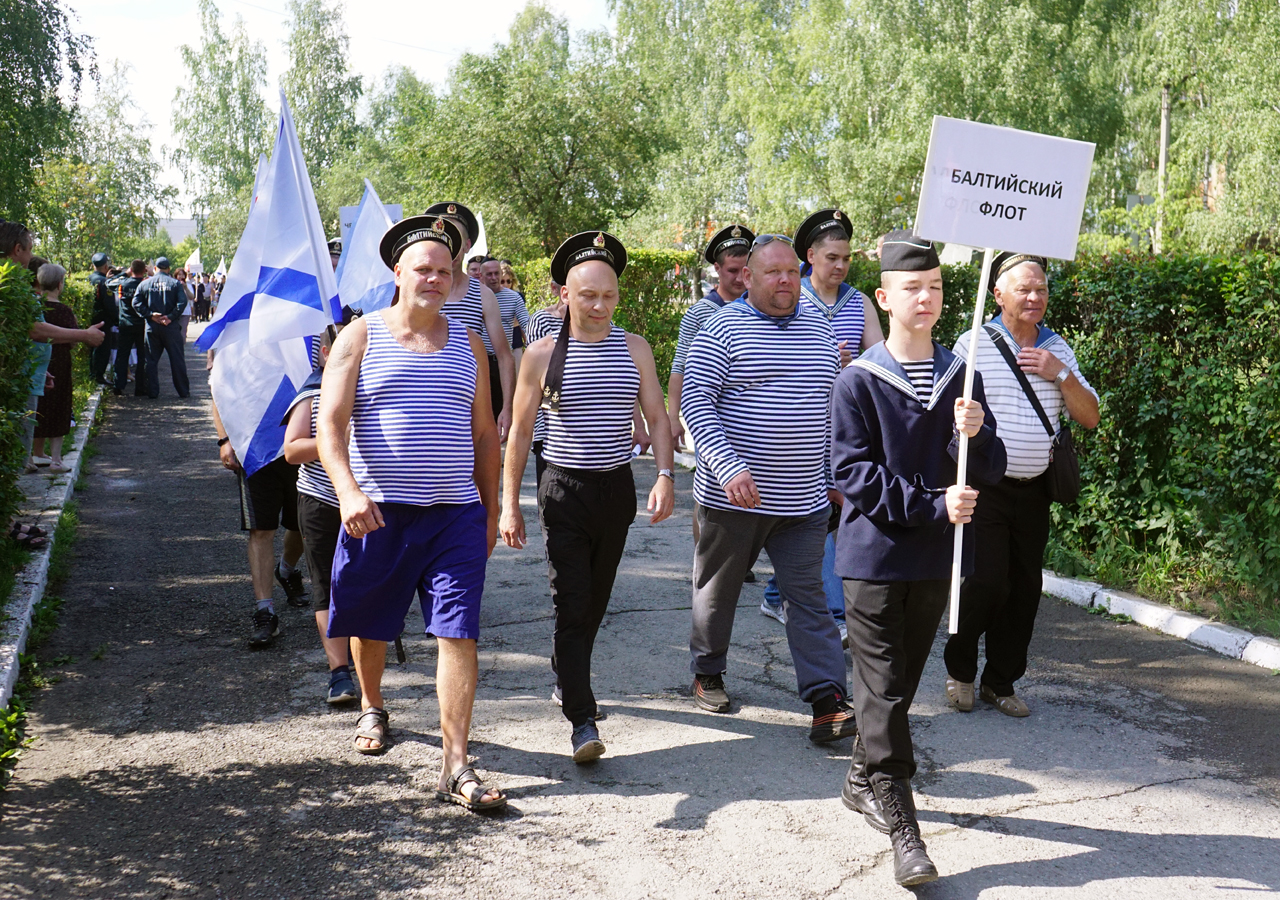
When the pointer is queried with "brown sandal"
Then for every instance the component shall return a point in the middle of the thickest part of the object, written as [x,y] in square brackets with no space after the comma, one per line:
[454,792]
[960,695]
[373,725]
[1011,705]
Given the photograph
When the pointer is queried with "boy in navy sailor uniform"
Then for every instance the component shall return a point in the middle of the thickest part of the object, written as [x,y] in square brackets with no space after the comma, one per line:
[897,412]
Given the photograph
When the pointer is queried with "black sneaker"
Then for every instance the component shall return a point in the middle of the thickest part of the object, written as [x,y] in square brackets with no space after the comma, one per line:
[294,590]
[587,746]
[709,693]
[266,625]
[832,720]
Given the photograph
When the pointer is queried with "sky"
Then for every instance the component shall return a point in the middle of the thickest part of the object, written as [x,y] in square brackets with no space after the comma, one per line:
[426,37]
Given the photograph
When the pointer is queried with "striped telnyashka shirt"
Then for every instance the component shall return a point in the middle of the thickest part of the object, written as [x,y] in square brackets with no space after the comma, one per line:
[1025,441]
[848,316]
[920,374]
[470,312]
[514,312]
[541,324]
[694,318]
[592,427]
[756,396]
[313,480]
[411,424]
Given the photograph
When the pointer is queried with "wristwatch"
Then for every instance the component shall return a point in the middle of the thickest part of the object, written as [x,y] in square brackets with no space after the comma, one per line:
[222,441]
[1063,374]
[668,473]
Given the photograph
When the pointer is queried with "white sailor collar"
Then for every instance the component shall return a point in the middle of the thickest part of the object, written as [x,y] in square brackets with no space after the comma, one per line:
[1044,335]
[844,294]
[880,362]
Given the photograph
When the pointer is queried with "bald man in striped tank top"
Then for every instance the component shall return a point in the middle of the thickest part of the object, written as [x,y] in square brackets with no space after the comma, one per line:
[587,380]
[407,437]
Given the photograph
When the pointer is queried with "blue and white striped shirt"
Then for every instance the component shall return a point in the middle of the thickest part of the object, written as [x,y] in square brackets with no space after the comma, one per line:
[592,427]
[756,396]
[512,308]
[411,425]
[694,318]
[470,312]
[848,316]
[541,324]
[313,480]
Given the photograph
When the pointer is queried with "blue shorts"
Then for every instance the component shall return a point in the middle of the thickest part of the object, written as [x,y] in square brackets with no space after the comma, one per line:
[438,551]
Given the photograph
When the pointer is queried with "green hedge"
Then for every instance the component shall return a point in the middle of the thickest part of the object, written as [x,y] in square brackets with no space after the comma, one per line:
[18,307]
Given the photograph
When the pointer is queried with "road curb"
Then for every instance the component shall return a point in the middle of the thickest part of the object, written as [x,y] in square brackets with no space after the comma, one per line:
[31,581]
[1224,639]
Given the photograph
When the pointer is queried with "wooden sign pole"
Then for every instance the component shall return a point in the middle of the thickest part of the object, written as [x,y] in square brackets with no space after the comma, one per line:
[962,458]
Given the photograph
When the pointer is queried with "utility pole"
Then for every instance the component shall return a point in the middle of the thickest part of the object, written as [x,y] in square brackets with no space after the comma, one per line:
[1158,243]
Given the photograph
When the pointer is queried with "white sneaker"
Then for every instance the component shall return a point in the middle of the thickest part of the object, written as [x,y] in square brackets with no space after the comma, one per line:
[774,612]
[844,634]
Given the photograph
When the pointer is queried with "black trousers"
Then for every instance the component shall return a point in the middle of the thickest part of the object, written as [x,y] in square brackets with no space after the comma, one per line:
[495,386]
[131,337]
[167,339]
[100,357]
[585,517]
[1000,599]
[892,625]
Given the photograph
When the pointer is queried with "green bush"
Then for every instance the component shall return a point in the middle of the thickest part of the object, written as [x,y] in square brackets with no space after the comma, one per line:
[18,307]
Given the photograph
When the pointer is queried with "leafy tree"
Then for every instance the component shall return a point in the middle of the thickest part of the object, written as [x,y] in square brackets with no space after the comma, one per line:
[39,54]
[219,118]
[321,90]
[107,187]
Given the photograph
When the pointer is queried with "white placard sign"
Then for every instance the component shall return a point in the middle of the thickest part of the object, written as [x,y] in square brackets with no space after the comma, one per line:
[987,186]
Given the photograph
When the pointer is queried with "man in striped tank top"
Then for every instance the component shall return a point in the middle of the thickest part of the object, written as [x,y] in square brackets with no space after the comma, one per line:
[417,486]
[896,412]
[511,306]
[475,306]
[587,381]
[756,390]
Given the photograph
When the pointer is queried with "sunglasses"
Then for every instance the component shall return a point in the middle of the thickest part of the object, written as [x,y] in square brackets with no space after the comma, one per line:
[764,239]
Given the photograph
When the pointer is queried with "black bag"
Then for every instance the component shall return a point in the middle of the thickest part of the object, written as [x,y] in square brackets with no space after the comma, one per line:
[1062,478]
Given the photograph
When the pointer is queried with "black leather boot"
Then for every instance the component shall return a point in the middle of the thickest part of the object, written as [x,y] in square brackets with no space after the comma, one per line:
[857,794]
[911,864]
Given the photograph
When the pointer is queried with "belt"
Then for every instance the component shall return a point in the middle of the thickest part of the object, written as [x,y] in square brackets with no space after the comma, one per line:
[590,474]
[1023,481]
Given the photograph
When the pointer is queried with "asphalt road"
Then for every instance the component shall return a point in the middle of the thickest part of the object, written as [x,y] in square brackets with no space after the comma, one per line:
[171,761]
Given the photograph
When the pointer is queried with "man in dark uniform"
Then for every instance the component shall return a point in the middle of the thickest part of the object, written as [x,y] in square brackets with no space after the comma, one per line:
[161,300]
[133,331]
[104,311]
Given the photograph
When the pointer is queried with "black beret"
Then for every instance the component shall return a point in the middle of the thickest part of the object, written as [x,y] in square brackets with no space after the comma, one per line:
[731,237]
[456,210]
[585,247]
[1006,260]
[904,252]
[823,223]
[100,258]
[414,229]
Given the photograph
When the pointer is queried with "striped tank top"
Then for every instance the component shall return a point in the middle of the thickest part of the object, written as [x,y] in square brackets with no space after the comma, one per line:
[592,428]
[313,480]
[541,324]
[470,312]
[411,435]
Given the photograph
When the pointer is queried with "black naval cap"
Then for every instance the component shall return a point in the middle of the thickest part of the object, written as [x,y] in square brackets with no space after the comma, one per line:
[585,247]
[100,259]
[455,210]
[822,224]
[162,262]
[416,229]
[731,237]
[1007,259]
[904,252]
[335,246]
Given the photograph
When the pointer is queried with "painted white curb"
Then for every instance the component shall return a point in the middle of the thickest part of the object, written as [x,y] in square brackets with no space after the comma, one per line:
[30,584]
[1225,639]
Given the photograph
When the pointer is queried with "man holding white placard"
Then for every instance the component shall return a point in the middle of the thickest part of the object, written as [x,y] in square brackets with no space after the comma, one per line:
[896,414]
[1011,523]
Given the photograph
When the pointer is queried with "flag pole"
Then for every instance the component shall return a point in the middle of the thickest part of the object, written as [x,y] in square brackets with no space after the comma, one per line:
[962,458]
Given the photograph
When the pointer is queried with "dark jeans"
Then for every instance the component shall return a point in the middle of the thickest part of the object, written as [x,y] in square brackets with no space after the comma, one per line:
[892,625]
[131,337]
[585,517]
[167,339]
[100,357]
[728,543]
[1001,597]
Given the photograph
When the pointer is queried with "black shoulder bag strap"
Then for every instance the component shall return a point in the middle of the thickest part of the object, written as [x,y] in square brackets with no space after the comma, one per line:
[998,339]
[553,382]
